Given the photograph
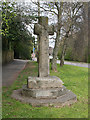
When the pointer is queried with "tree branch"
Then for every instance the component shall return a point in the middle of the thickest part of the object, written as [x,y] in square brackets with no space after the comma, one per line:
[45,9]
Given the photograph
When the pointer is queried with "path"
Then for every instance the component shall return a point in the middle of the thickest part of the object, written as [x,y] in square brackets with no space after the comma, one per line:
[11,71]
[80,64]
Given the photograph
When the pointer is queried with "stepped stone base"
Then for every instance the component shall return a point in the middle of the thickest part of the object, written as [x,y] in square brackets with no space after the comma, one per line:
[44,93]
[63,100]
[47,91]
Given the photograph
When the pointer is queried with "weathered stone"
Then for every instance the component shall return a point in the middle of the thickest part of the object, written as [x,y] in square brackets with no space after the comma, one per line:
[43,31]
[44,82]
[44,93]
[66,99]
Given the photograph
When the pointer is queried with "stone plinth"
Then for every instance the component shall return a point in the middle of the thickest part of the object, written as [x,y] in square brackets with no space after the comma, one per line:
[44,87]
[44,93]
[44,82]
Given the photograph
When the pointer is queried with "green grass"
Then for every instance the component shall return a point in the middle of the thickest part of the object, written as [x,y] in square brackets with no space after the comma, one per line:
[74,78]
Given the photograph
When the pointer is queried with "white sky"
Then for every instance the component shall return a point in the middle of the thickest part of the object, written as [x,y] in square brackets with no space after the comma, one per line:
[48,0]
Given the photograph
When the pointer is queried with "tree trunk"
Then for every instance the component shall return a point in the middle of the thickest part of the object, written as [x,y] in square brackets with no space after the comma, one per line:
[55,52]
[57,42]
[63,53]
[62,56]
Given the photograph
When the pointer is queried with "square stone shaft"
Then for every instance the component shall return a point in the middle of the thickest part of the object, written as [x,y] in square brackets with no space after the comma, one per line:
[43,30]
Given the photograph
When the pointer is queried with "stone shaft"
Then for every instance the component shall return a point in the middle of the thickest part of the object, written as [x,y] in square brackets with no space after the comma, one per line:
[43,30]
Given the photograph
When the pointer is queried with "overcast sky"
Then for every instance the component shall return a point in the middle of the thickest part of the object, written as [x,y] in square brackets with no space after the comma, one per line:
[49,0]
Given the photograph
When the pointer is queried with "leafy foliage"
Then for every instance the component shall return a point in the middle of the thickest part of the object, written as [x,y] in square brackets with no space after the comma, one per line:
[8,13]
[15,35]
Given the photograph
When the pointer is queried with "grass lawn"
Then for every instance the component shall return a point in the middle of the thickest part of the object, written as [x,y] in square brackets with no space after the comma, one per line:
[74,78]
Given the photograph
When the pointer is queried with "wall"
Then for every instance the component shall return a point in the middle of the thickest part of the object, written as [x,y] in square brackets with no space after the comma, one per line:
[7,56]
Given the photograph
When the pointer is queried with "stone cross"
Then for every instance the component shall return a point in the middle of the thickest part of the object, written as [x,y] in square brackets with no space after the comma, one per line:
[43,30]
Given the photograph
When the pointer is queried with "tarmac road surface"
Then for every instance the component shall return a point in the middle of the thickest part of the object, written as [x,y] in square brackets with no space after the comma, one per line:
[11,71]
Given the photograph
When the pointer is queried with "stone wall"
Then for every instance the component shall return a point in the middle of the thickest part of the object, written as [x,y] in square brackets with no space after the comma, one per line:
[7,56]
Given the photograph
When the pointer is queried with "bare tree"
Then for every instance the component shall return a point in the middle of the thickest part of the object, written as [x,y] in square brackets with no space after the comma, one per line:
[73,13]
[65,15]
[79,22]
[68,13]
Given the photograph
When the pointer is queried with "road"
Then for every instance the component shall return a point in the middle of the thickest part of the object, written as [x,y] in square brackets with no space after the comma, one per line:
[11,71]
[80,64]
